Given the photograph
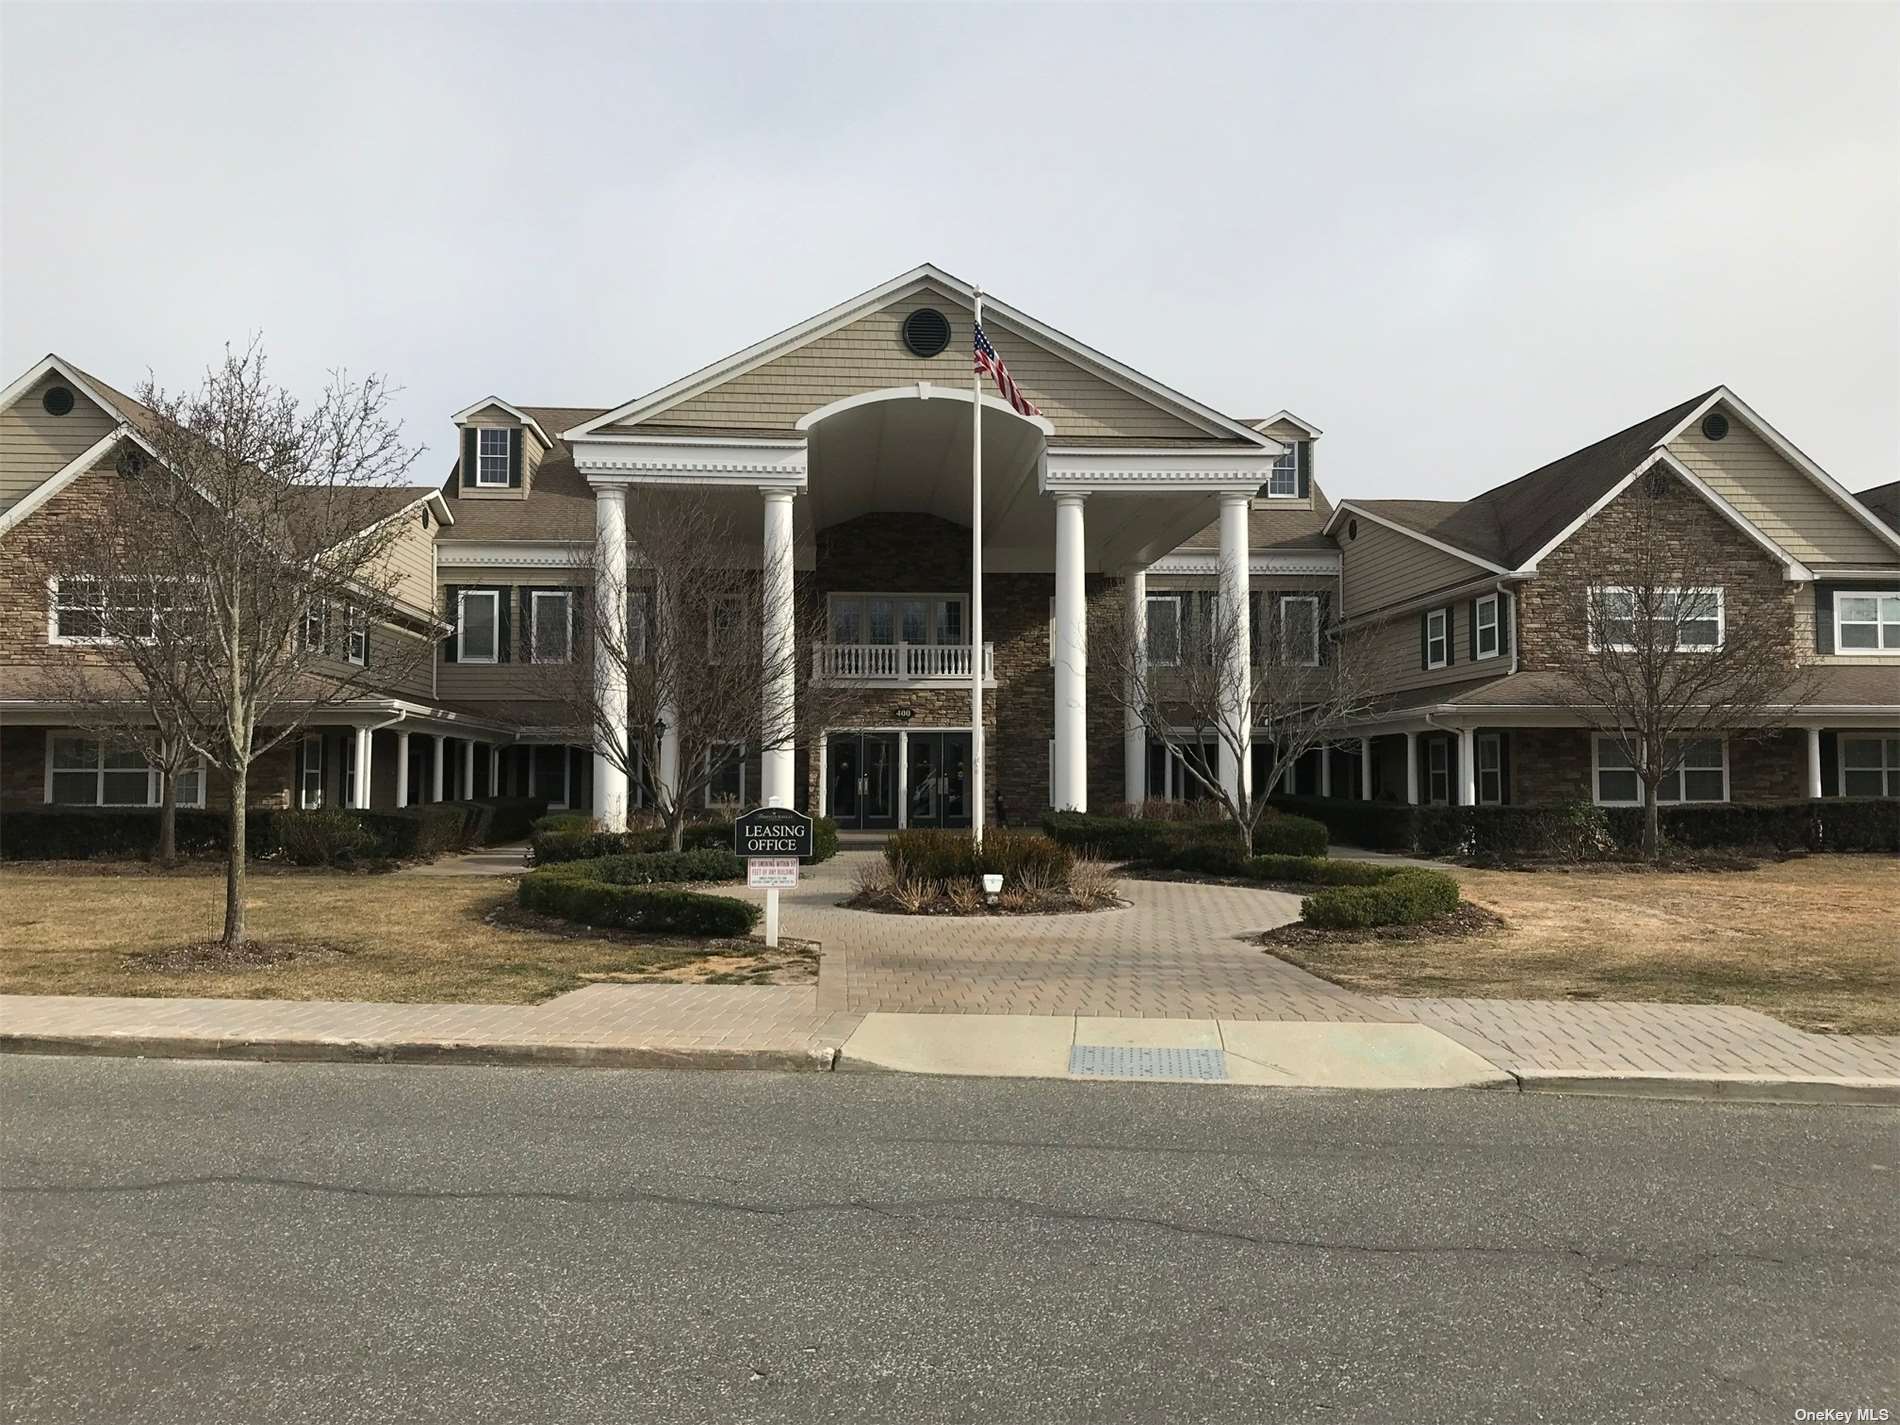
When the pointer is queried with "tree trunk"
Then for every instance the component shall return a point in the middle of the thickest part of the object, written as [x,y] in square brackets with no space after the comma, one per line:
[1652,824]
[676,826]
[168,818]
[234,860]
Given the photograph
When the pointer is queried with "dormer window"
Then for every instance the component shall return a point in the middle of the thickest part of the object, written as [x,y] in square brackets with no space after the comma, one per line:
[1285,479]
[491,459]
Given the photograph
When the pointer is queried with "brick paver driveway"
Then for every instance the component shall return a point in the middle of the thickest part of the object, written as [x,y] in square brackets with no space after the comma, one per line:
[1173,952]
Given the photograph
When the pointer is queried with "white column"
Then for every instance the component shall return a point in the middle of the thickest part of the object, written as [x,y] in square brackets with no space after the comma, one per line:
[1814,762]
[1071,779]
[402,769]
[903,779]
[1235,773]
[823,800]
[1134,730]
[777,770]
[435,767]
[1467,767]
[1411,768]
[494,769]
[360,793]
[1325,769]
[468,770]
[1365,769]
[610,646]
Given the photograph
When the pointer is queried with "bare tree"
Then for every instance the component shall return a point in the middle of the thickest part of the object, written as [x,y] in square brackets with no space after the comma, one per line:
[692,657]
[1183,678]
[1665,664]
[269,524]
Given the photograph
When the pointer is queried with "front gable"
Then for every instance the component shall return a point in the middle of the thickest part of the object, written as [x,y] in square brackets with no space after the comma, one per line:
[36,443]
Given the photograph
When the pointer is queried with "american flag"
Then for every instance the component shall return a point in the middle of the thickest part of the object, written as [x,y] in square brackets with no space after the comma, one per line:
[988,361]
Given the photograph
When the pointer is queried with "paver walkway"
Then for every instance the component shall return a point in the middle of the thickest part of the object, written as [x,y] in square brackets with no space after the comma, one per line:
[1174,952]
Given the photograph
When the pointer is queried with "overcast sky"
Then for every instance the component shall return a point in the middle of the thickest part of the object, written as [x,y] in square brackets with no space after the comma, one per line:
[1461,240]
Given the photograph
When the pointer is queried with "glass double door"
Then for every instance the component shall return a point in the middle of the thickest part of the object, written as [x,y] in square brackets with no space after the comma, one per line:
[863,790]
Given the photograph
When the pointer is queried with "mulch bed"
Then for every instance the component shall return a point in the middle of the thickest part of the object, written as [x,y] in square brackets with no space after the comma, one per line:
[1467,920]
[1671,862]
[213,955]
[942,906]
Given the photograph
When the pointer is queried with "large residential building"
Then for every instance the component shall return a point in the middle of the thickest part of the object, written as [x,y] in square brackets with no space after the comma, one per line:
[847,440]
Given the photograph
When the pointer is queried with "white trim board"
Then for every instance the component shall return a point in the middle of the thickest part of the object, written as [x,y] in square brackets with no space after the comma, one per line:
[53,361]
[61,478]
[526,420]
[1208,562]
[1312,431]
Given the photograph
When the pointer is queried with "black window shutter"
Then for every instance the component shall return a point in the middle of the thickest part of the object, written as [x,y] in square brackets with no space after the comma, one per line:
[1504,767]
[1471,632]
[504,629]
[366,641]
[296,779]
[1823,618]
[1425,639]
[469,457]
[514,458]
[1830,764]
[453,595]
[1303,462]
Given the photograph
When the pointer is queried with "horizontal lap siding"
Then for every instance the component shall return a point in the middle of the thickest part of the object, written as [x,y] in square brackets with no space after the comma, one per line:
[1383,567]
[1392,651]
[35,446]
[1785,504]
[412,561]
[870,354]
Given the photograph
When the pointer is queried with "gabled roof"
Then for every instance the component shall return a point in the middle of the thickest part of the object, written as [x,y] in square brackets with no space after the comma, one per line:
[1261,424]
[560,508]
[1883,500]
[525,417]
[928,274]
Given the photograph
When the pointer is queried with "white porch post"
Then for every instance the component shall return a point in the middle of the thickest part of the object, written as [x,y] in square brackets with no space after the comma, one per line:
[1235,773]
[1411,768]
[359,794]
[435,767]
[823,800]
[1814,762]
[903,778]
[777,770]
[402,769]
[1071,682]
[1325,770]
[494,769]
[610,645]
[1365,769]
[1467,768]
[1134,730]
[468,770]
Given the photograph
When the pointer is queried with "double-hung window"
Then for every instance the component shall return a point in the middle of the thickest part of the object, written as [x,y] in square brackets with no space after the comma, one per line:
[725,784]
[91,772]
[1490,746]
[1485,642]
[79,610]
[639,603]
[1700,773]
[310,792]
[478,625]
[551,625]
[1685,620]
[1285,477]
[1437,638]
[1867,623]
[316,623]
[1164,630]
[356,640]
[725,623]
[1438,771]
[1870,766]
[491,458]
[1299,629]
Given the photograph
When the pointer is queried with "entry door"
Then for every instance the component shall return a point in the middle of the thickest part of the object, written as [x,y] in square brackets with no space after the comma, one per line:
[956,778]
[861,770]
[844,765]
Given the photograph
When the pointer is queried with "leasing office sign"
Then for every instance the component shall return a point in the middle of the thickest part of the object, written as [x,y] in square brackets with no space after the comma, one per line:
[773,832]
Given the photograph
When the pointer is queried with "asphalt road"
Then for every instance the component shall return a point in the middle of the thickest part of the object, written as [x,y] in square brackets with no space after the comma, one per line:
[227,1242]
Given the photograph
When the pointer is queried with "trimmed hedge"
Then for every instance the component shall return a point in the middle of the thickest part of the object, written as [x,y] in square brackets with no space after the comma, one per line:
[1408,896]
[573,892]
[82,833]
[514,817]
[322,837]
[1184,845]
[931,854]
[658,867]
[1320,871]
[558,839]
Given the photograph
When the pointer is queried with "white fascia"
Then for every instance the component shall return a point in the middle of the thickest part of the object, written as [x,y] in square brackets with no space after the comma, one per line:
[527,420]
[60,479]
[1311,430]
[46,365]
[779,464]
[1073,469]
[1317,562]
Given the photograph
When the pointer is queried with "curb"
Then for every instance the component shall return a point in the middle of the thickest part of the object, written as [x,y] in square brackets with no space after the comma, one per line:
[350,1051]
[1729,1088]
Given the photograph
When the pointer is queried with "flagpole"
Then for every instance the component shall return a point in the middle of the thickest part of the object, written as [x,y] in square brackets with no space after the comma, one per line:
[976,580]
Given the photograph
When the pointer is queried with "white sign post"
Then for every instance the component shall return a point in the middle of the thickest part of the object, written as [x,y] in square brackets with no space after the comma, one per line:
[772,839]
[772,874]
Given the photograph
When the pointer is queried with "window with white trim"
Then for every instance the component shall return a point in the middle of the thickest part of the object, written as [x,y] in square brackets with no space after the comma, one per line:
[491,458]
[725,628]
[1870,766]
[356,639]
[89,771]
[1438,771]
[726,786]
[478,625]
[310,793]
[87,609]
[1437,638]
[349,771]
[1490,768]
[316,623]
[1163,638]
[1285,478]
[78,610]
[1299,629]
[1485,614]
[899,618]
[1867,623]
[639,602]
[550,625]
[1700,773]
[1695,615]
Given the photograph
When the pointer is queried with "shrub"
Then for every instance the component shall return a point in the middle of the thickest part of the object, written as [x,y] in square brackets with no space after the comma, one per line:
[1022,858]
[572,893]
[416,831]
[1857,824]
[327,837]
[1375,826]
[1183,845]
[657,867]
[82,833]
[558,839]
[1319,871]
[1407,897]
[1113,838]
[1278,834]
[563,821]
[514,817]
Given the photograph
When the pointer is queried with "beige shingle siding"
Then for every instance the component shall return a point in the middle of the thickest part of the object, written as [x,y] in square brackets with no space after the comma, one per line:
[1286,431]
[411,559]
[869,354]
[1783,503]
[1384,567]
[35,446]
[531,455]
[1804,601]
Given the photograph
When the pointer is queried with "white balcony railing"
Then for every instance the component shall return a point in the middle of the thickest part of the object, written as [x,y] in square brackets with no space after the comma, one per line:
[899,665]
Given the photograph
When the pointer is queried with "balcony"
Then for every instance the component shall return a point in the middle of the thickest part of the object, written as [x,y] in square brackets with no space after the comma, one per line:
[900,665]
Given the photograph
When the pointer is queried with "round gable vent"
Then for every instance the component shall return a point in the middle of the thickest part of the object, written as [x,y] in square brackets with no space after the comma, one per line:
[1715,425]
[926,331]
[1352,529]
[57,400]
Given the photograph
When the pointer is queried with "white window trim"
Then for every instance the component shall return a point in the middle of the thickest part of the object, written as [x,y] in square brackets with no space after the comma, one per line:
[1291,469]
[1438,748]
[1180,628]
[1479,743]
[482,482]
[318,611]
[153,778]
[311,765]
[1478,628]
[1313,600]
[1887,769]
[462,655]
[1721,619]
[1444,620]
[53,636]
[1597,739]
[566,597]
[356,636]
[714,653]
[1875,594]
[706,793]
[931,601]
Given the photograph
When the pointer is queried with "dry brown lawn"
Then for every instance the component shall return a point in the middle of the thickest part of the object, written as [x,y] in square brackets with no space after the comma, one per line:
[1813,941]
[94,931]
